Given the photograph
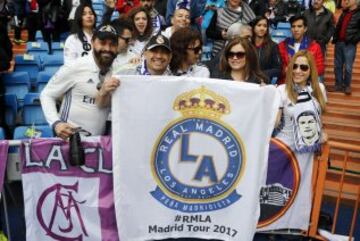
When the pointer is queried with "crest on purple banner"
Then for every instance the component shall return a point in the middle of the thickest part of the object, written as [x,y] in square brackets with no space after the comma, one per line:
[4,146]
[68,203]
[282,184]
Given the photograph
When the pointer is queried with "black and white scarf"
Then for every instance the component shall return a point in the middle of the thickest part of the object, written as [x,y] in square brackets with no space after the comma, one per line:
[307,122]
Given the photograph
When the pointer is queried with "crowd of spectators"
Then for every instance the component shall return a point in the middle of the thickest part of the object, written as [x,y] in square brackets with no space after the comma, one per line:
[158,37]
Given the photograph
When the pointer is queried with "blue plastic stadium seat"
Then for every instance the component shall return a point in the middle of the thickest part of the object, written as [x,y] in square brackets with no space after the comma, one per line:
[99,8]
[11,107]
[27,132]
[2,134]
[42,80]
[283,25]
[38,36]
[28,63]
[57,48]
[17,83]
[32,111]
[284,33]
[52,63]
[37,47]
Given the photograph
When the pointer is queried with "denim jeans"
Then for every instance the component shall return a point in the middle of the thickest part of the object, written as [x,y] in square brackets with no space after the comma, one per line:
[344,57]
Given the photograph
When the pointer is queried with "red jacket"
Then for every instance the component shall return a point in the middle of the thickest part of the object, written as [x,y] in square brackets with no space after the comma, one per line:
[124,6]
[314,48]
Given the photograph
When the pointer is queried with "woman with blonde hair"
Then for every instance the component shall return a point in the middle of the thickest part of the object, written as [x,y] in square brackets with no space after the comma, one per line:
[303,99]
[301,92]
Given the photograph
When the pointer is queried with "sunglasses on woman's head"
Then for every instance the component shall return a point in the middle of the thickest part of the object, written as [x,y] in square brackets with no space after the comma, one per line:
[196,49]
[303,67]
[238,55]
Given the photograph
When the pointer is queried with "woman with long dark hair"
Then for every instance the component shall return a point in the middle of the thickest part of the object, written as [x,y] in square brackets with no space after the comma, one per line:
[267,50]
[78,44]
[141,21]
[239,62]
[186,46]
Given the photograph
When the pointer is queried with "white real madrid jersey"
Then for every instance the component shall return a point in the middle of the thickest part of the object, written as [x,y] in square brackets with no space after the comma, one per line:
[77,85]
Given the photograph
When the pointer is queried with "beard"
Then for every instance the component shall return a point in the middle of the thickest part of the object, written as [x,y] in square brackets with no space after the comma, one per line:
[103,60]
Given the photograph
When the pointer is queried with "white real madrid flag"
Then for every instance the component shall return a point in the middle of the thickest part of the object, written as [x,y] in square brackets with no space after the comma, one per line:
[190,156]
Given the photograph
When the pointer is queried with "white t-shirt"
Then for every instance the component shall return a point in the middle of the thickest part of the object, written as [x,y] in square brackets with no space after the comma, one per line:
[77,84]
[167,32]
[74,48]
[195,71]
[137,47]
[122,61]
[75,4]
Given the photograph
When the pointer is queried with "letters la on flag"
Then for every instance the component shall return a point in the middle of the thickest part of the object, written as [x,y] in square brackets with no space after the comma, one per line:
[63,202]
[190,156]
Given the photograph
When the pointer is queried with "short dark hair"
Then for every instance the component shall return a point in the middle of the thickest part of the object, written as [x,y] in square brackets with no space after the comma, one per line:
[306,113]
[120,24]
[298,17]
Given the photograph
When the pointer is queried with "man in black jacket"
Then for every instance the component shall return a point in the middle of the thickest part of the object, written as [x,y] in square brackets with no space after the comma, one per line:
[321,25]
[346,37]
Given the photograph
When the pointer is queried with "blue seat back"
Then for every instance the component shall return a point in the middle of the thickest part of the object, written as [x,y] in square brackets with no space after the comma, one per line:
[17,83]
[32,110]
[2,134]
[26,64]
[27,132]
[11,107]
[33,47]
[42,80]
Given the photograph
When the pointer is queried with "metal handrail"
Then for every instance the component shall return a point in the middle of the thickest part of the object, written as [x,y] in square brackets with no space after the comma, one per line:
[319,177]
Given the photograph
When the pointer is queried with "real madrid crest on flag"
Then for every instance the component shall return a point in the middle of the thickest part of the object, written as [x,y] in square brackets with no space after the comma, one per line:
[202,182]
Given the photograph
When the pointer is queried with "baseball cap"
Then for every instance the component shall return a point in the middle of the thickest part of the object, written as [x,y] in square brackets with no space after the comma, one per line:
[158,41]
[105,32]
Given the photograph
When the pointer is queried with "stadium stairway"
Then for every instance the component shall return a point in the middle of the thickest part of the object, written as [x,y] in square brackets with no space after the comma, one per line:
[342,124]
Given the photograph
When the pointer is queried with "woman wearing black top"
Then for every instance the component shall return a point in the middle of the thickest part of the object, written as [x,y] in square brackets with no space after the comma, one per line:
[267,50]
[239,62]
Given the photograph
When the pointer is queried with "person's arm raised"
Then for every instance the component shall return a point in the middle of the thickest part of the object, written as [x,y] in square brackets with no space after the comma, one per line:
[103,97]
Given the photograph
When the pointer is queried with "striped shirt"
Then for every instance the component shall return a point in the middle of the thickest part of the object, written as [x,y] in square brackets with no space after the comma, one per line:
[226,17]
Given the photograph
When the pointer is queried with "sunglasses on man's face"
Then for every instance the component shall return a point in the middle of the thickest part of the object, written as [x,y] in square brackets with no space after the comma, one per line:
[238,55]
[196,49]
[303,67]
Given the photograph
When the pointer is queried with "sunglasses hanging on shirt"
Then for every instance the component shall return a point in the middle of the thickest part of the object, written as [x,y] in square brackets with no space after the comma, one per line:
[86,47]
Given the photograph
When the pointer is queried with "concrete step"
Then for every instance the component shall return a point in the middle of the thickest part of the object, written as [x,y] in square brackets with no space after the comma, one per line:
[347,104]
[342,96]
[344,136]
[342,123]
[338,112]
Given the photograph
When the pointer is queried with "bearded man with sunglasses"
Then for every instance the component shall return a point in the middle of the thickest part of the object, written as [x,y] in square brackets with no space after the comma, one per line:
[77,85]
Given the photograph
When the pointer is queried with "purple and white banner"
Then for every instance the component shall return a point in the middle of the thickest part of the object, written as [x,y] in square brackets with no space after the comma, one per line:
[286,198]
[4,146]
[64,202]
